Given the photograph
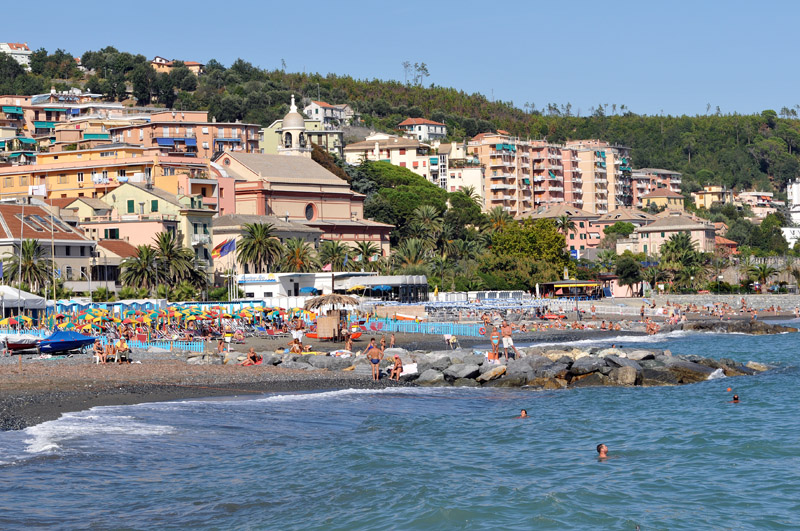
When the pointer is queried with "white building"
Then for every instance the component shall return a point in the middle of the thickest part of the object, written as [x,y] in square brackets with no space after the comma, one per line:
[459,169]
[422,129]
[793,196]
[18,51]
[328,114]
[403,152]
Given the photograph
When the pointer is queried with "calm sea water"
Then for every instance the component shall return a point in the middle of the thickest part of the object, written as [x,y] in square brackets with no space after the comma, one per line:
[683,457]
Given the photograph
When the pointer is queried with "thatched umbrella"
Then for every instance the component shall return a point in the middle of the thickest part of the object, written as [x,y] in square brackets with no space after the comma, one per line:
[332,299]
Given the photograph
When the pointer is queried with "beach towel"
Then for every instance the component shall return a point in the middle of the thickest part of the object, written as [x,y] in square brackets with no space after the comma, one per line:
[409,368]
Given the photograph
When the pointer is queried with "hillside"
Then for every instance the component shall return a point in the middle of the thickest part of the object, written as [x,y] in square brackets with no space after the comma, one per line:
[741,151]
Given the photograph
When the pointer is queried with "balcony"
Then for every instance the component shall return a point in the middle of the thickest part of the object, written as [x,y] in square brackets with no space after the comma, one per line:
[556,167]
[556,188]
[501,187]
[554,156]
[539,188]
[201,239]
[525,165]
[538,179]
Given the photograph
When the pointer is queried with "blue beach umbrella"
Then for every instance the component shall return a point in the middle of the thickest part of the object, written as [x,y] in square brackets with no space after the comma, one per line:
[382,287]
[308,289]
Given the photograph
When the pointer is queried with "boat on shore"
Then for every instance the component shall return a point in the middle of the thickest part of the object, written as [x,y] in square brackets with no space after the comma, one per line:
[64,341]
[20,341]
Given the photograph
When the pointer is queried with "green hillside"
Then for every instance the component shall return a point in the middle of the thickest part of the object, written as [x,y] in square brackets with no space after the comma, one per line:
[741,151]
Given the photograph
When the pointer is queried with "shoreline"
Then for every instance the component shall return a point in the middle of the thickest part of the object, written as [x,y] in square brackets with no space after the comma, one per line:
[36,391]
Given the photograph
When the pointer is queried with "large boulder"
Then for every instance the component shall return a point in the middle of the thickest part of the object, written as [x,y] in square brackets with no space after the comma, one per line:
[465,382]
[658,377]
[548,383]
[760,367]
[553,370]
[274,359]
[594,379]
[688,371]
[555,355]
[492,373]
[439,363]
[296,365]
[616,361]
[461,371]
[431,377]
[519,368]
[508,381]
[624,375]
[587,365]
[537,362]
[329,362]
[473,359]
[611,352]
[390,352]
[639,355]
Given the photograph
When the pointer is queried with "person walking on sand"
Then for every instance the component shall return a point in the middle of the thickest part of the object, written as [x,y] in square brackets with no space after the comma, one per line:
[506,330]
[391,341]
[495,337]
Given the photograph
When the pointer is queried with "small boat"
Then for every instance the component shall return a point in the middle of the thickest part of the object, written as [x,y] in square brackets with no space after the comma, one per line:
[20,341]
[64,341]
[553,316]
[403,317]
[312,335]
[356,335]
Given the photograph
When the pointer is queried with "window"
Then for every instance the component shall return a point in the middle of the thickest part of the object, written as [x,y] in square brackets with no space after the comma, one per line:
[8,182]
[154,205]
[111,234]
[122,173]
[662,234]
[580,224]
[571,236]
[68,272]
[62,178]
[205,228]
[194,226]
[645,249]
[190,131]
[205,130]
[310,212]
[148,172]
[105,175]
[83,251]
[205,145]
[129,133]
[165,130]
[67,250]
[141,134]
[80,176]
[23,180]
[169,171]
[402,151]
[402,164]
[108,154]
[131,206]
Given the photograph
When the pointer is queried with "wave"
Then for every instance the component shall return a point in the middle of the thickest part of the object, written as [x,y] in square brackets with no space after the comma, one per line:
[50,436]
[657,338]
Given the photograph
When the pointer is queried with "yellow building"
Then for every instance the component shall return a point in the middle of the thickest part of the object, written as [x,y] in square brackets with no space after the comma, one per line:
[712,194]
[664,198]
[92,172]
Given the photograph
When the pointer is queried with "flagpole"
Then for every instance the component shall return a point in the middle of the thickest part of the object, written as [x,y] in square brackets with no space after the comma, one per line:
[19,269]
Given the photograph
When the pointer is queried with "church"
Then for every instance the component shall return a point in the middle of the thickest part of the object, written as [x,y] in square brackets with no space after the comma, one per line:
[292,187]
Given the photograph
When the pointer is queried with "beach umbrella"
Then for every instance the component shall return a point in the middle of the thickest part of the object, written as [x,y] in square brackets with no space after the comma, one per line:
[382,287]
[127,321]
[357,288]
[332,299]
[9,321]
[308,289]
[24,318]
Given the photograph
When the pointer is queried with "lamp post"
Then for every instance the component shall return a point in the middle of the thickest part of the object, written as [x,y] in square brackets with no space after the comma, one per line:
[692,283]
[89,279]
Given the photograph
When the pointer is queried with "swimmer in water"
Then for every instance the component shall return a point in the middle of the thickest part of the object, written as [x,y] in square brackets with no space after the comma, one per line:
[523,414]
[602,451]
[735,400]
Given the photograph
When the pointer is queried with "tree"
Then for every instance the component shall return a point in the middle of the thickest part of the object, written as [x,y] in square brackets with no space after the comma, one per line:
[565,224]
[141,268]
[335,253]
[411,257]
[607,258]
[31,265]
[173,261]
[629,272]
[762,273]
[623,228]
[258,247]
[299,257]
[499,218]
[102,294]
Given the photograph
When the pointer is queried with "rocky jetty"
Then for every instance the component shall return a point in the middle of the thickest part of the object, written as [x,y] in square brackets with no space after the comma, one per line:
[537,367]
[757,328]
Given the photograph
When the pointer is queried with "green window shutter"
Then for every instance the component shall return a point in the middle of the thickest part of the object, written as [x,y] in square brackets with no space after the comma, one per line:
[154,205]
[105,234]
[131,206]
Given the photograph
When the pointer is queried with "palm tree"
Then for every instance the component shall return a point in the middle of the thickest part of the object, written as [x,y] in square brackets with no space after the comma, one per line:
[335,253]
[175,262]
[411,257]
[139,270]
[129,292]
[299,257]
[470,193]
[564,224]
[258,247]
[366,251]
[606,258]
[653,274]
[427,222]
[762,273]
[31,265]
[499,219]
[102,294]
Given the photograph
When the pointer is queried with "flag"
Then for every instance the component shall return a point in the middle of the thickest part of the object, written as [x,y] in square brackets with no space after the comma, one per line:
[359,258]
[346,257]
[327,267]
[373,258]
[215,252]
[58,273]
[1,269]
[228,248]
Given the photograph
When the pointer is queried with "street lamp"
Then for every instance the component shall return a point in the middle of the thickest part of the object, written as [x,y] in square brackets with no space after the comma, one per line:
[89,279]
[692,283]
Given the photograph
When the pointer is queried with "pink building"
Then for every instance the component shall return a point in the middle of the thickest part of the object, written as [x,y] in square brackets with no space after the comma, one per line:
[585,235]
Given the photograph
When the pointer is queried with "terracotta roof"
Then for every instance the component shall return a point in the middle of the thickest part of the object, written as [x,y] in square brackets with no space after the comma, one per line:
[18,46]
[626,214]
[282,169]
[503,132]
[321,103]
[37,224]
[192,63]
[120,248]
[719,240]
[418,121]
[662,192]
[60,202]
[676,223]
[556,211]
[91,202]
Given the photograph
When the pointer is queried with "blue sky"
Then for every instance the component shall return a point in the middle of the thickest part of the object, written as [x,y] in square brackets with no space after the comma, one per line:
[670,56]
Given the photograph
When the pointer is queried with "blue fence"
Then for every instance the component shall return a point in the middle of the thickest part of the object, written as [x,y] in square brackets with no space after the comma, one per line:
[411,327]
[191,346]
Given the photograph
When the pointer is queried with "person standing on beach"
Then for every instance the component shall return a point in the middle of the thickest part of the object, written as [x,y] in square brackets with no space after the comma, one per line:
[506,330]
[374,355]
[391,340]
[495,337]
[593,310]
[641,313]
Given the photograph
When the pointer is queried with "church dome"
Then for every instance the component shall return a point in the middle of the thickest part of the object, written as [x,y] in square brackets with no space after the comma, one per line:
[293,120]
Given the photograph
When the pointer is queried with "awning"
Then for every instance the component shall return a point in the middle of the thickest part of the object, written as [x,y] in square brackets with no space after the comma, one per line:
[96,136]
[55,110]
[434,161]
[74,111]
[44,125]
[27,140]
[165,141]
[577,285]
[228,139]
[9,109]
[191,142]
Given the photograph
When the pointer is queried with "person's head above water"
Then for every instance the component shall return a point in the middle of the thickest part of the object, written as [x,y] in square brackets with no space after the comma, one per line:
[735,398]
[602,450]
[523,413]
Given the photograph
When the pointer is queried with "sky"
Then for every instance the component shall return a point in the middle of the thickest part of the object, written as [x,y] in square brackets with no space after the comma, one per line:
[671,57]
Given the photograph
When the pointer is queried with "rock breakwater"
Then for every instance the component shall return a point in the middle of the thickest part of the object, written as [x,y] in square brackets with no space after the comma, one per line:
[536,367]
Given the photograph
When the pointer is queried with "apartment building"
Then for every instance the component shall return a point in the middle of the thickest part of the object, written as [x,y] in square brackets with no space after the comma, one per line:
[404,152]
[163,65]
[457,170]
[712,194]
[761,203]
[189,134]
[645,180]
[585,235]
[497,152]
[648,239]
[19,51]
[422,129]
[94,172]
[606,175]
[664,199]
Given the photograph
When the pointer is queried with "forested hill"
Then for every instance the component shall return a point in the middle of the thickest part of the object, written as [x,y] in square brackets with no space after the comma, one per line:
[742,151]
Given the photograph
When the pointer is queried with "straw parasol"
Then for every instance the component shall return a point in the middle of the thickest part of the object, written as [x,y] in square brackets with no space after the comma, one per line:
[332,299]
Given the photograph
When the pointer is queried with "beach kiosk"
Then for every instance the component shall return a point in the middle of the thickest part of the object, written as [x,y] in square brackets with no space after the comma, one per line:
[571,289]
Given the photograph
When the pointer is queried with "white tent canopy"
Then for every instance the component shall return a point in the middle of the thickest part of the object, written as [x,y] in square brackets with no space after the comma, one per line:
[13,298]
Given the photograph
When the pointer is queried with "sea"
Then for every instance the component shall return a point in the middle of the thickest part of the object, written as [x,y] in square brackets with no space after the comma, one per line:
[430,458]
